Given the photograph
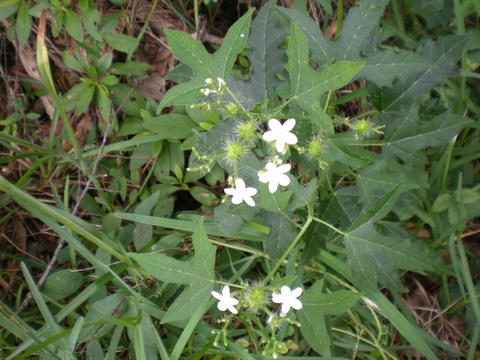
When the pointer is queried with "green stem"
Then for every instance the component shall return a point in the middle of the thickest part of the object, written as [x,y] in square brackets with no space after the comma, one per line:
[330,226]
[279,263]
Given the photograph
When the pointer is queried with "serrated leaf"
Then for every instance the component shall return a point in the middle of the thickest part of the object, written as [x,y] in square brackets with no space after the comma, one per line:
[405,134]
[204,65]
[302,195]
[384,67]
[316,306]
[197,274]
[308,85]
[378,179]
[341,148]
[443,55]
[358,25]
[281,235]
[265,58]
[276,202]
[365,244]
[356,43]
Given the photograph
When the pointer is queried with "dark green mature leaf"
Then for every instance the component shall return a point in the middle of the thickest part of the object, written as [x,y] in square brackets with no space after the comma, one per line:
[357,29]
[443,56]
[204,65]
[378,179]
[173,125]
[316,306]
[355,44]
[266,58]
[23,25]
[307,85]
[341,147]
[61,284]
[281,235]
[197,274]
[73,25]
[384,67]
[405,134]
[374,257]
[142,234]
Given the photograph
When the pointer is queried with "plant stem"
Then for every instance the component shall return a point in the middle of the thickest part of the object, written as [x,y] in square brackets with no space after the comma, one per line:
[290,248]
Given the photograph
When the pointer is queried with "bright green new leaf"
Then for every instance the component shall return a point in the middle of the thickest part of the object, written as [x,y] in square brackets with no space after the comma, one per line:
[197,274]
[316,306]
[204,65]
[308,85]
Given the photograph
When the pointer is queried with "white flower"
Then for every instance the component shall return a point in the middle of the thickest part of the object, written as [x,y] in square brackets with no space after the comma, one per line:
[241,193]
[281,133]
[288,298]
[225,300]
[275,175]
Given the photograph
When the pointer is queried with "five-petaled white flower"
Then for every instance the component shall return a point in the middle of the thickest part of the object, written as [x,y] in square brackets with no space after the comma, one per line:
[288,298]
[225,300]
[241,193]
[275,175]
[281,133]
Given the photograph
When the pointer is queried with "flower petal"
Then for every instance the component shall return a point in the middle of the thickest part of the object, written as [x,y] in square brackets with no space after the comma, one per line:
[273,186]
[283,180]
[289,124]
[290,139]
[296,304]
[265,177]
[216,295]
[240,184]
[226,291]
[280,144]
[297,292]
[270,136]
[237,199]
[284,168]
[286,307]
[270,167]
[230,191]
[275,125]
[249,201]
[277,298]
